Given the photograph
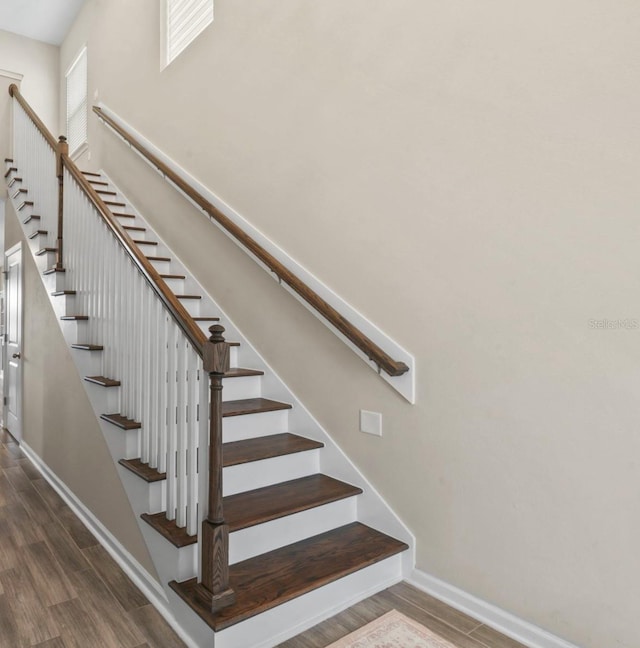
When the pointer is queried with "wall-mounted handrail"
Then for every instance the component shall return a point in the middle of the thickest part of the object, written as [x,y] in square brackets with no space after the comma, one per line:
[374,352]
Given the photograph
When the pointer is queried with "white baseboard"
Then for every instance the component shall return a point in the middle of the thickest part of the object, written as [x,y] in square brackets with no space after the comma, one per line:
[505,622]
[129,565]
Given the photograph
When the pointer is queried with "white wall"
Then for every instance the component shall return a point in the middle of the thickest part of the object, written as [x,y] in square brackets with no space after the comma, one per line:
[465,174]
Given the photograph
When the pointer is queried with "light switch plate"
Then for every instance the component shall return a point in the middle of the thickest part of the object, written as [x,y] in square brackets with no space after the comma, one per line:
[371,422]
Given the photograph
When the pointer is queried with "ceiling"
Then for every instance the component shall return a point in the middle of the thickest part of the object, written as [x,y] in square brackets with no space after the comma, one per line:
[43,20]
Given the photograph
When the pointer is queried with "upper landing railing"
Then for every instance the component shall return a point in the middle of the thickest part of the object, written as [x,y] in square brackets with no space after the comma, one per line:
[367,346]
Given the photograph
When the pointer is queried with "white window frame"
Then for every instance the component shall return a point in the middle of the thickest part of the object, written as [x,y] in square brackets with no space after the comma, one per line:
[182,21]
[80,109]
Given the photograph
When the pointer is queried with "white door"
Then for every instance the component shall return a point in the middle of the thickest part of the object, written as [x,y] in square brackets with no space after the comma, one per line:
[13,343]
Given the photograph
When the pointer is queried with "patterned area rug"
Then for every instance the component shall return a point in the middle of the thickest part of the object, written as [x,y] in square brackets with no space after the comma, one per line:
[393,630]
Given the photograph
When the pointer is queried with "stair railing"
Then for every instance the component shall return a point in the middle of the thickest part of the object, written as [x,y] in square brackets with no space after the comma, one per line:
[373,351]
[150,343]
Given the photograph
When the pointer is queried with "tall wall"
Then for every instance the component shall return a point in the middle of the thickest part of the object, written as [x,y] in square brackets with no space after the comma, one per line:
[464,174]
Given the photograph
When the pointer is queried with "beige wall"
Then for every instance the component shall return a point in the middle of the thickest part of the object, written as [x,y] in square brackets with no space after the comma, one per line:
[465,174]
[38,64]
[58,421]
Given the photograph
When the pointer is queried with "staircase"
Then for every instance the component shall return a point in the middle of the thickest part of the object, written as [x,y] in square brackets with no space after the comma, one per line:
[308,535]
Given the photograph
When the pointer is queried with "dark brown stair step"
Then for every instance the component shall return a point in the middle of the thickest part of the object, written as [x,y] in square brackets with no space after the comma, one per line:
[30,218]
[8,160]
[265,581]
[276,445]
[37,233]
[92,174]
[14,180]
[9,171]
[106,192]
[115,203]
[18,192]
[158,258]
[53,270]
[187,296]
[102,381]
[252,406]
[88,347]
[261,505]
[239,372]
[206,319]
[172,276]
[121,421]
[123,215]
[98,182]
[134,228]
[25,203]
[140,242]
[61,293]
[143,470]
[74,318]
[44,250]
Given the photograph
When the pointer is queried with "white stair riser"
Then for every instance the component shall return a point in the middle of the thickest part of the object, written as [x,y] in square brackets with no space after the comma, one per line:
[262,538]
[170,562]
[103,399]
[89,363]
[145,497]
[248,426]
[257,474]
[238,388]
[123,444]
[163,267]
[289,619]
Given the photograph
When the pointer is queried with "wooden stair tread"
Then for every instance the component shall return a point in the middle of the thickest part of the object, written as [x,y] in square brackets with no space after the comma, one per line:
[172,276]
[252,406]
[158,258]
[9,171]
[106,192]
[257,449]
[60,293]
[134,228]
[25,203]
[239,372]
[102,381]
[92,174]
[187,296]
[143,470]
[88,347]
[30,218]
[122,215]
[74,318]
[265,581]
[121,421]
[98,182]
[115,203]
[139,242]
[206,319]
[37,233]
[261,505]
[44,250]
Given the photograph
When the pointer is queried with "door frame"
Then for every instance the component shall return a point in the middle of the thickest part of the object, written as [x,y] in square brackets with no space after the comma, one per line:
[17,433]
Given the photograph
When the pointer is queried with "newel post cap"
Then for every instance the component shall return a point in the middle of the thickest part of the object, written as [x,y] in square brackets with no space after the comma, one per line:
[216,352]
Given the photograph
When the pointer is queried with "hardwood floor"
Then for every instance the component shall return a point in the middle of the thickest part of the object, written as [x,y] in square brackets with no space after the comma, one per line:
[58,587]
[458,628]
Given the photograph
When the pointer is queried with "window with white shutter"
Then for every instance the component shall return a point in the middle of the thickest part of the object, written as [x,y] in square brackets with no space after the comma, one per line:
[77,103]
[184,21]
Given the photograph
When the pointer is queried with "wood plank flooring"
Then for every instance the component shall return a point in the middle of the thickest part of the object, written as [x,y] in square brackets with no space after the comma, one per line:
[58,587]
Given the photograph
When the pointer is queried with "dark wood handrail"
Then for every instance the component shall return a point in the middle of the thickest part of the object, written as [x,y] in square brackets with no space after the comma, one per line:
[193,332]
[14,91]
[351,332]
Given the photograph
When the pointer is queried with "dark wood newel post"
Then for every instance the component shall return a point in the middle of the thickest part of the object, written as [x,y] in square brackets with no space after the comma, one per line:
[61,150]
[214,544]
